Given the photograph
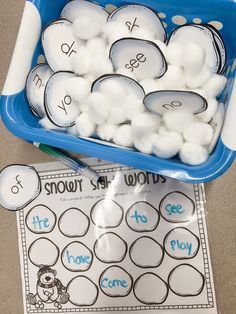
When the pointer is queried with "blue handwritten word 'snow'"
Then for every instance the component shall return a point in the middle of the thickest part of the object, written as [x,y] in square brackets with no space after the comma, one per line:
[80,259]
[40,223]
[174,209]
[106,283]
[177,245]
[139,218]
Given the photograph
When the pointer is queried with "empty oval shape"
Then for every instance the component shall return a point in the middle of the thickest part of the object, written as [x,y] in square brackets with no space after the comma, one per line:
[35,87]
[77,8]
[131,86]
[203,37]
[60,107]
[180,243]
[60,45]
[160,102]
[115,282]
[135,16]
[106,214]
[145,252]
[43,252]
[40,219]
[73,223]
[177,207]
[110,248]
[186,281]
[150,289]
[142,217]
[141,57]
[19,186]
[77,257]
[82,291]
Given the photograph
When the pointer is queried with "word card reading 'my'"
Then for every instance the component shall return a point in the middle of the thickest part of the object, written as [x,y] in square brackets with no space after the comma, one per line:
[136,242]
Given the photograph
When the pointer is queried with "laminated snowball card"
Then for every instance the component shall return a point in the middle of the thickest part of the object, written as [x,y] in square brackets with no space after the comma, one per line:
[135,242]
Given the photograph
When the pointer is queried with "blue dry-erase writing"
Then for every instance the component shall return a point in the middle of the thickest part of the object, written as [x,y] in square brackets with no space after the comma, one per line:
[80,259]
[39,223]
[174,209]
[178,245]
[106,283]
[139,218]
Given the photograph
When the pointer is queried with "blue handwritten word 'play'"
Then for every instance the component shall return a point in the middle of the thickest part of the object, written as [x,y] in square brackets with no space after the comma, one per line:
[139,218]
[177,245]
[81,259]
[40,224]
[106,283]
[174,209]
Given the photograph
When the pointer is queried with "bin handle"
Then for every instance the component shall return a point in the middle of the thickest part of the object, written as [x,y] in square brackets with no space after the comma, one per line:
[27,39]
[228,134]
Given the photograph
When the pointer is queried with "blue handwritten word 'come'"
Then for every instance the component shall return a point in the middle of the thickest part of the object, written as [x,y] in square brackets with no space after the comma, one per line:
[78,260]
[178,245]
[139,218]
[40,223]
[174,209]
[106,283]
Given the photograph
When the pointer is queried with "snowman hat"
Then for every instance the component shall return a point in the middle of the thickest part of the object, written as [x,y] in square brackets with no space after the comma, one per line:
[45,269]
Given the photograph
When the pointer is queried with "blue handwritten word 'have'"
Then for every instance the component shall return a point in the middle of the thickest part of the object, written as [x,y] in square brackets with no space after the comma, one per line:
[177,245]
[80,259]
[39,223]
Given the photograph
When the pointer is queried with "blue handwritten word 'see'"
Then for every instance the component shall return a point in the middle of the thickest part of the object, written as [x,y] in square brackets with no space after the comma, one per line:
[178,245]
[139,218]
[106,283]
[78,260]
[40,224]
[174,209]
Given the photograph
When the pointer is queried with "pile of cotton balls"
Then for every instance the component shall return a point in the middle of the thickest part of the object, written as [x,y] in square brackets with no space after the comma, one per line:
[106,103]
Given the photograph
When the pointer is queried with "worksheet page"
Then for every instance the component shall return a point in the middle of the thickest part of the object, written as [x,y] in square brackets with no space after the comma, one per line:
[135,242]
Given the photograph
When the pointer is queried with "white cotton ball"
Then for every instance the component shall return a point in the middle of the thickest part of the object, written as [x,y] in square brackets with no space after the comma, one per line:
[173,54]
[114,91]
[116,115]
[167,146]
[97,45]
[85,27]
[178,120]
[193,58]
[145,123]
[106,131]
[126,72]
[143,33]
[73,130]
[99,108]
[48,125]
[88,76]
[160,85]
[215,85]
[174,77]
[84,125]
[208,114]
[113,31]
[199,133]
[101,65]
[132,106]
[149,85]
[84,107]
[78,88]
[81,61]
[123,136]
[144,144]
[198,79]
[199,91]
[193,154]
[162,46]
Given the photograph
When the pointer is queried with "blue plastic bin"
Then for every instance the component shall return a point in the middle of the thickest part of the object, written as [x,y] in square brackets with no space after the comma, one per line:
[20,121]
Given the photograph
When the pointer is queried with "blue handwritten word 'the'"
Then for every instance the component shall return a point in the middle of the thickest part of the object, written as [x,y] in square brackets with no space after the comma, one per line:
[139,218]
[177,245]
[174,209]
[81,259]
[106,283]
[40,224]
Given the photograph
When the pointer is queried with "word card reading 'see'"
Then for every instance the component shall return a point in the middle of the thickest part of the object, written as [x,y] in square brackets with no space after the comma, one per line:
[136,242]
